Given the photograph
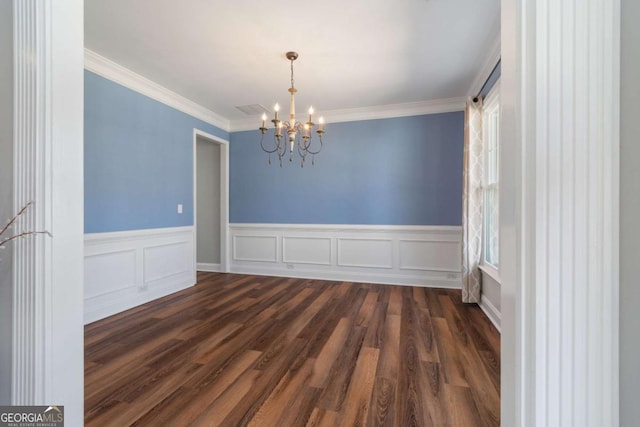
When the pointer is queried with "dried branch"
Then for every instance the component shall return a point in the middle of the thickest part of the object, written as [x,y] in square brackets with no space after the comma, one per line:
[25,234]
[12,220]
[22,234]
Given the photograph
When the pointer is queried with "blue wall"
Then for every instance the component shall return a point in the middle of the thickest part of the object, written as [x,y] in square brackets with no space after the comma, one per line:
[401,171]
[139,166]
[138,159]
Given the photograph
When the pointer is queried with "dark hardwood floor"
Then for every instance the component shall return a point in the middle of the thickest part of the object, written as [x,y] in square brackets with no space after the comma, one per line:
[239,350]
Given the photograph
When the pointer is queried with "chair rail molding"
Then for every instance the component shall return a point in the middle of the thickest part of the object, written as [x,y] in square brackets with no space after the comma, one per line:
[402,255]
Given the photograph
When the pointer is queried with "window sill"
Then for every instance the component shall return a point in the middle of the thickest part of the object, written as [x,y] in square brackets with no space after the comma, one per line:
[491,271]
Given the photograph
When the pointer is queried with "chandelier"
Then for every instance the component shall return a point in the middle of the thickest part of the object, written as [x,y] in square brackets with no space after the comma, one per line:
[291,133]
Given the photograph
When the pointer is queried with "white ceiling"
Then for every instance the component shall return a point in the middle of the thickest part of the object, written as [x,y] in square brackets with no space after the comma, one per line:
[353,53]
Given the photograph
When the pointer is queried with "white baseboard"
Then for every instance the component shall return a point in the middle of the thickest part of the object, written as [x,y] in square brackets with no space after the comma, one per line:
[209,267]
[400,255]
[491,311]
[129,268]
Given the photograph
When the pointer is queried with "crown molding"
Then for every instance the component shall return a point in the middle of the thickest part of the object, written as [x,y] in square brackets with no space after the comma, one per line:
[372,113]
[117,73]
[490,62]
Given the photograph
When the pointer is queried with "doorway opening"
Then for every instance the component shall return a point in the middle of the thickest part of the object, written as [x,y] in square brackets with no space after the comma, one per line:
[210,201]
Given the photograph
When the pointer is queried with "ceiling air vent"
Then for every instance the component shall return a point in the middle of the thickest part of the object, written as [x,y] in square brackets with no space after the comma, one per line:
[253,109]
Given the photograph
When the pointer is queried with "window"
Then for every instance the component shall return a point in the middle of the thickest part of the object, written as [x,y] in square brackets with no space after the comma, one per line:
[491,178]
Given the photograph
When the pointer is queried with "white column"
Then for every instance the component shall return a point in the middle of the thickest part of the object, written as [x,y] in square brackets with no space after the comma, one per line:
[48,171]
[30,155]
[564,208]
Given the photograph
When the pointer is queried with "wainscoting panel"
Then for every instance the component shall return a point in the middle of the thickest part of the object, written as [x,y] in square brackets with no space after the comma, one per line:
[306,250]
[128,268]
[255,248]
[162,262]
[366,253]
[403,255]
[122,268]
[436,255]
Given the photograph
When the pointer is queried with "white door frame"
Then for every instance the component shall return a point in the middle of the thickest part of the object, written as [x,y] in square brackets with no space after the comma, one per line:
[224,203]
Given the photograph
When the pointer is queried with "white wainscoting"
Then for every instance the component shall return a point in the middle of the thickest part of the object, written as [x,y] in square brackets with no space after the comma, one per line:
[128,268]
[402,255]
[490,299]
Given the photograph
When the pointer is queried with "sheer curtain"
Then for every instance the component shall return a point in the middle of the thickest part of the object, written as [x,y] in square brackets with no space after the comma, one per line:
[472,202]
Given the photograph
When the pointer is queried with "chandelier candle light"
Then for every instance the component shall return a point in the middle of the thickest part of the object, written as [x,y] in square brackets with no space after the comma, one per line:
[291,133]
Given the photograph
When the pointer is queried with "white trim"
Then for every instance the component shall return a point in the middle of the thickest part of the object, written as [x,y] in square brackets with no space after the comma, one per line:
[127,268]
[491,271]
[377,265]
[224,197]
[389,111]
[576,167]
[491,311]
[491,59]
[115,72]
[32,151]
[133,234]
[560,92]
[349,276]
[238,257]
[263,252]
[48,138]
[209,267]
[287,260]
[517,241]
[355,228]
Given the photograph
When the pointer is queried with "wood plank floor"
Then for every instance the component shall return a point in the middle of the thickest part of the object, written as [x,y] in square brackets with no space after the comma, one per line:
[238,350]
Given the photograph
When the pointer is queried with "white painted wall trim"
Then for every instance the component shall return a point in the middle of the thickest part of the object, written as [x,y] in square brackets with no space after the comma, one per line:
[32,257]
[577,168]
[351,228]
[209,267]
[559,212]
[402,255]
[434,106]
[224,201]
[490,294]
[491,311]
[115,72]
[48,157]
[491,271]
[127,268]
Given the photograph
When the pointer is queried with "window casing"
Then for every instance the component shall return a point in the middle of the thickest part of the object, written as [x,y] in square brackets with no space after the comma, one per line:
[491,177]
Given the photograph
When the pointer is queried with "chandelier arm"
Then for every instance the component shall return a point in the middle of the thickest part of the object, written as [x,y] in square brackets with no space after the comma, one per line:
[319,149]
[281,153]
[306,143]
[302,149]
[263,147]
[282,148]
